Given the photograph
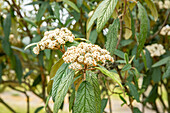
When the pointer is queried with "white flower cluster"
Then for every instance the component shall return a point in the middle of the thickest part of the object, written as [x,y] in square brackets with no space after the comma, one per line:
[54,39]
[85,54]
[165,30]
[13,40]
[156,49]
[162,5]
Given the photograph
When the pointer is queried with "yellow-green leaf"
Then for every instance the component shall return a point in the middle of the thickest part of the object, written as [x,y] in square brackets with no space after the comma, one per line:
[153,9]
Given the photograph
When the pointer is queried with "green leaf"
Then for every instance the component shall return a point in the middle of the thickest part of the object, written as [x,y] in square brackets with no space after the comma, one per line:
[161,62]
[34,3]
[47,53]
[93,36]
[41,11]
[95,14]
[133,91]
[38,109]
[85,99]
[125,42]
[56,10]
[74,43]
[153,9]
[152,95]
[136,110]
[144,60]
[72,98]
[36,81]
[143,17]
[146,80]
[71,4]
[55,67]
[112,36]
[47,100]
[105,13]
[18,69]
[7,26]
[29,21]
[124,101]
[167,73]
[148,59]
[132,25]
[57,78]
[103,104]
[126,58]
[6,46]
[119,53]
[62,89]
[79,3]
[91,77]
[156,75]
[0,72]
[109,74]
[126,67]
[27,74]
[127,20]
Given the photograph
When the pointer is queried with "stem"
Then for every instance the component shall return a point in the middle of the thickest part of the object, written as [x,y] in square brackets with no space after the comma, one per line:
[43,82]
[84,74]
[121,25]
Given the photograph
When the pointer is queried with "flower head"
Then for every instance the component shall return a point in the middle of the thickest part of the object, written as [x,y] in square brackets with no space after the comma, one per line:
[155,49]
[54,39]
[86,54]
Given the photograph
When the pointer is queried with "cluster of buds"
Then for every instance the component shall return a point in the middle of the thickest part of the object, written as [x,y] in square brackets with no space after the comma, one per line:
[54,39]
[162,5]
[13,40]
[156,49]
[165,30]
[87,55]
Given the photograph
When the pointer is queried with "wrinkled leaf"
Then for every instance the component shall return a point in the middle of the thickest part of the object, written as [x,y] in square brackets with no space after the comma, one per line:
[85,99]
[105,13]
[112,36]
[61,72]
[161,62]
[71,4]
[62,89]
[126,67]
[96,87]
[109,74]
[133,91]
[143,17]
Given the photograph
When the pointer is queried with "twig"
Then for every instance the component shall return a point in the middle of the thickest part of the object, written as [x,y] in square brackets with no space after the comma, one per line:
[4,103]
[121,25]
[153,36]
[17,9]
